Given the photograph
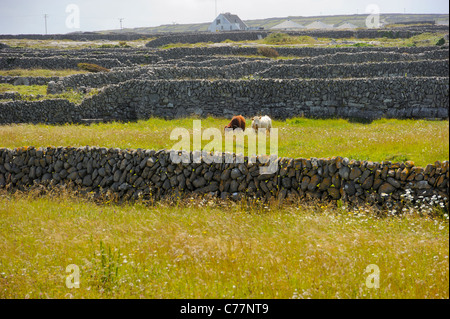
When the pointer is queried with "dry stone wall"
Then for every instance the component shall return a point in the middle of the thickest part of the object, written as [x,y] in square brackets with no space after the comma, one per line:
[368,83]
[217,37]
[53,62]
[28,80]
[360,70]
[152,174]
[368,98]
[363,64]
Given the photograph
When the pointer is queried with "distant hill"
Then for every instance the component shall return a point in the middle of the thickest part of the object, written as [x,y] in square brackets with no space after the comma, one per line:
[356,19]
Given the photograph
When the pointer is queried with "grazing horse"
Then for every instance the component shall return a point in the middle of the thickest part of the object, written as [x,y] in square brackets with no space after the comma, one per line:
[237,121]
[259,122]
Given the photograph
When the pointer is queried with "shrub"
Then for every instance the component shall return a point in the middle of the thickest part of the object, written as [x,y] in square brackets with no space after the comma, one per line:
[92,67]
[278,38]
[108,46]
[283,38]
[362,44]
[441,41]
[124,44]
[268,52]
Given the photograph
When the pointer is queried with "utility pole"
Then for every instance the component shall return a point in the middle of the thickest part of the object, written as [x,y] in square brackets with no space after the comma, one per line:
[45,18]
[120,20]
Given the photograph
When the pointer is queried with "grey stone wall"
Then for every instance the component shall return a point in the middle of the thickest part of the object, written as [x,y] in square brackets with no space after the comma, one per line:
[367,98]
[360,70]
[7,63]
[28,80]
[96,80]
[217,37]
[52,111]
[152,174]
[326,66]
[85,36]
[182,52]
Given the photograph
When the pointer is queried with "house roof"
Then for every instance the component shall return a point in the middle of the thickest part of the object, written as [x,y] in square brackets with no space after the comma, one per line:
[288,24]
[318,25]
[347,25]
[233,18]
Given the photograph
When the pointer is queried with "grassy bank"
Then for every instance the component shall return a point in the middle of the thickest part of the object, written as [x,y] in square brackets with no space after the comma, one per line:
[40,72]
[204,249]
[420,141]
[39,92]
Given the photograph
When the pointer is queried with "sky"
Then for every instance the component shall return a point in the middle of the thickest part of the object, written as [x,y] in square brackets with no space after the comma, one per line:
[63,16]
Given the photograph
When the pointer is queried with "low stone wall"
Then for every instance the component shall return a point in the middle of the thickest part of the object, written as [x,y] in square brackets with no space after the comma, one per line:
[95,80]
[28,80]
[347,98]
[218,37]
[7,63]
[85,36]
[328,66]
[152,174]
[359,70]
[54,111]
[182,52]
[365,98]
[362,57]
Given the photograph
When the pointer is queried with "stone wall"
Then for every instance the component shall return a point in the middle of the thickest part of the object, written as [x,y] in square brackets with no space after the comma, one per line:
[52,111]
[365,64]
[152,174]
[217,37]
[360,70]
[85,36]
[182,52]
[95,80]
[7,63]
[367,98]
[28,80]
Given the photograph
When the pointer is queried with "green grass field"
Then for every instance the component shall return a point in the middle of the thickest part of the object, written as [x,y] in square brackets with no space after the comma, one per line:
[207,248]
[39,92]
[210,249]
[421,141]
[40,72]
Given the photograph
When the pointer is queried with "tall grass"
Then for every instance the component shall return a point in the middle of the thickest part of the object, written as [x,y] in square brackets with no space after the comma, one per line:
[420,141]
[39,92]
[40,72]
[283,38]
[209,249]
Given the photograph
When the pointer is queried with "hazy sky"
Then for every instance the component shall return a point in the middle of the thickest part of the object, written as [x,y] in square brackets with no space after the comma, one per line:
[27,16]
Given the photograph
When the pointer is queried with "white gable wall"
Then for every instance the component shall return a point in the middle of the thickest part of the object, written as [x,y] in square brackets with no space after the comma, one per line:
[221,23]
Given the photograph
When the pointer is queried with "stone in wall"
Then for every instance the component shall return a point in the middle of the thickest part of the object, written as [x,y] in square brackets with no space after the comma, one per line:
[152,174]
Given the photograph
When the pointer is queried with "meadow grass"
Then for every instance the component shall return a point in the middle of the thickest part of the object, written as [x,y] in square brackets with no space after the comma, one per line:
[284,40]
[39,92]
[421,141]
[212,249]
[40,72]
[71,44]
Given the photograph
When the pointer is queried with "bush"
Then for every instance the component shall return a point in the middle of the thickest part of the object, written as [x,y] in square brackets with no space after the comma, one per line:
[124,44]
[92,67]
[279,38]
[362,44]
[268,52]
[108,46]
[283,39]
[441,41]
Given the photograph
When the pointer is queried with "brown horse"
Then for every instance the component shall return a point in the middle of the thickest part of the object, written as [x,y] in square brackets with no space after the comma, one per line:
[237,121]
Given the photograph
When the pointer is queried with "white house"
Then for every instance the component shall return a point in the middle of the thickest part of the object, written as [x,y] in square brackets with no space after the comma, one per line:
[227,22]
